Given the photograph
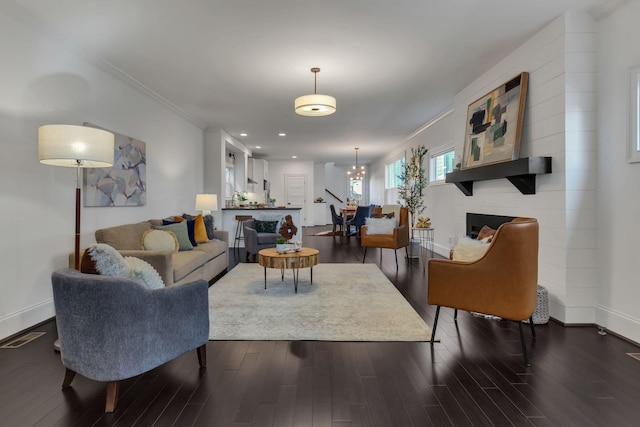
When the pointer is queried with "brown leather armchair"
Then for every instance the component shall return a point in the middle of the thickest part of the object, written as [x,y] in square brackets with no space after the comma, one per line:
[399,238]
[502,283]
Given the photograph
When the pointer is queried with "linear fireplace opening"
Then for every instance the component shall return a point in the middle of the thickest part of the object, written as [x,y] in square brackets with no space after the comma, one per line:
[476,221]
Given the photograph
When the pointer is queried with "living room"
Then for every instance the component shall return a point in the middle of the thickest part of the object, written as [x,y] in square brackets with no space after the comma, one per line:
[578,109]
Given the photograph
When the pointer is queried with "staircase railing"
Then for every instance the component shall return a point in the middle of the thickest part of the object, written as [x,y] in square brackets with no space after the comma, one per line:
[334,196]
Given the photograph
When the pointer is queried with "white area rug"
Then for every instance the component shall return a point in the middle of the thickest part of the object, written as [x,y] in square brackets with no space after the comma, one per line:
[346,302]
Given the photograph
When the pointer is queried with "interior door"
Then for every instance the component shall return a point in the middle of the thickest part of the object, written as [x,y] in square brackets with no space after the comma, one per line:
[295,191]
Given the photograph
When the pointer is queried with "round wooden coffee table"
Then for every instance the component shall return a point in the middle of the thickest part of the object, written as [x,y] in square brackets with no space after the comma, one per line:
[305,257]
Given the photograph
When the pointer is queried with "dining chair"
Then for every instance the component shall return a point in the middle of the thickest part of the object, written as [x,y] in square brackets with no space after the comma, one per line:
[358,220]
[336,219]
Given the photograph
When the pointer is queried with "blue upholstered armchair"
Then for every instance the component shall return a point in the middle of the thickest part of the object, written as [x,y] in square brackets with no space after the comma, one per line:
[255,241]
[111,329]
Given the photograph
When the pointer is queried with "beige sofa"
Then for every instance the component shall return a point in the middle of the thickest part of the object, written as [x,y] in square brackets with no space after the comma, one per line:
[205,261]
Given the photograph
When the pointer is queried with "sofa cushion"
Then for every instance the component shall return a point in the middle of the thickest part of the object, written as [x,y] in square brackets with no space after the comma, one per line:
[469,250]
[185,262]
[159,240]
[109,262]
[265,226]
[212,248]
[123,237]
[381,225]
[190,227]
[180,230]
[208,225]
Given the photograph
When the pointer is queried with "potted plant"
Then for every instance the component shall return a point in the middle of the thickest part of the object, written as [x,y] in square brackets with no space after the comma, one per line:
[280,244]
[411,193]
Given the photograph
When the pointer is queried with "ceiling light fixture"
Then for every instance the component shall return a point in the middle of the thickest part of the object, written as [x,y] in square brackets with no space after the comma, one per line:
[357,172]
[315,104]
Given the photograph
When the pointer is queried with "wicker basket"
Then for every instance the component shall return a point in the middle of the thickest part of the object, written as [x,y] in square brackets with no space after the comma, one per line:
[541,313]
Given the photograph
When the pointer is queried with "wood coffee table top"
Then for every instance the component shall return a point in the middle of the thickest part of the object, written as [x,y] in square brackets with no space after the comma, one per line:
[305,257]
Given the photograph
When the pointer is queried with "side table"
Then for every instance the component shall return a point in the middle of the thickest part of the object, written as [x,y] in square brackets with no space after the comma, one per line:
[425,237]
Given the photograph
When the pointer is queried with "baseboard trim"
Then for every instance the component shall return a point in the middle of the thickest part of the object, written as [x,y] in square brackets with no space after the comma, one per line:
[20,321]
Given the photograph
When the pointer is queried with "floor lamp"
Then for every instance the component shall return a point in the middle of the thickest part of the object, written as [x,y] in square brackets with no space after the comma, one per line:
[75,147]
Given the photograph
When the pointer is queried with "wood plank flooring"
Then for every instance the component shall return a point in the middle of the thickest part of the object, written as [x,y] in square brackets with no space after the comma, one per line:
[474,377]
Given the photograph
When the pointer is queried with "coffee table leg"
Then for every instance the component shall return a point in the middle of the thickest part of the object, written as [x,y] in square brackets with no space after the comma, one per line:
[265,277]
[296,274]
[312,275]
[282,274]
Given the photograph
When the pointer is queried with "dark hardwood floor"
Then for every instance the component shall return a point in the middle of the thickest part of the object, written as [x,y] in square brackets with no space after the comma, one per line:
[474,377]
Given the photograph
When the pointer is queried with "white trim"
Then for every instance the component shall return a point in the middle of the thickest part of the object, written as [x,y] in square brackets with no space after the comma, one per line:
[633,152]
[23,319]
[430,123]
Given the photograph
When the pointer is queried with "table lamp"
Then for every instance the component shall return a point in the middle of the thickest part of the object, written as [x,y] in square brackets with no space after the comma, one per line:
[206,203]
[76,147]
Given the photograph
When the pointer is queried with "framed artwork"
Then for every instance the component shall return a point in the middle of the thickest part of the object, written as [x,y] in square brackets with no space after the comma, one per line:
[124,184]
[494,124]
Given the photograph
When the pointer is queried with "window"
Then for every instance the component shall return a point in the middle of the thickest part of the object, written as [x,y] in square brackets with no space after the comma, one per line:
[440,163]
[355,189]
[634,115]
[392,170]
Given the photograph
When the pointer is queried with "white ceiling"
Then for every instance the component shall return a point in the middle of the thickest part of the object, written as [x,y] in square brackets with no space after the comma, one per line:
[239,64]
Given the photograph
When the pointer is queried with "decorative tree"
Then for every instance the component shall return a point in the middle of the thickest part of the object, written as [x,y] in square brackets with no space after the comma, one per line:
[414,181]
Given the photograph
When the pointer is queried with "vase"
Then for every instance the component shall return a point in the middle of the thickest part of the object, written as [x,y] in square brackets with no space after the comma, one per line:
[280,247]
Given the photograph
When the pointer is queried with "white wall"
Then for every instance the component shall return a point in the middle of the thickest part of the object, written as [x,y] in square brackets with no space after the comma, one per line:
[43,82]
[277,171]
[559,117]
[618,183]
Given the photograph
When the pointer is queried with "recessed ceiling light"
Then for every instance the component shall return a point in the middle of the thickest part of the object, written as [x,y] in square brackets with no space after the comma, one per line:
[282,134]
[258,147]
[243,134]
[294,157]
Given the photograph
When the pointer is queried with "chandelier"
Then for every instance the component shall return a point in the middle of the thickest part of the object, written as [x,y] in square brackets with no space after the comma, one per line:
[356,172]
[315,104]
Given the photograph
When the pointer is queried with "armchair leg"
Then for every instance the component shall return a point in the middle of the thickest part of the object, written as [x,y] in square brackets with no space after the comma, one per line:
[533,329]
[435,325]
[524,346]
[395,251]
[69,375]
[112,396]
[365,254]
[455,314]
[202,355]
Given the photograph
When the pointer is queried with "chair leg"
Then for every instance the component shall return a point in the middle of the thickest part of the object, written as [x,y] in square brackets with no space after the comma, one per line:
[112,396]
[435,325]
[455,314]
[365,254]
[202,355]
[524,346]
[69,375]
[533,329]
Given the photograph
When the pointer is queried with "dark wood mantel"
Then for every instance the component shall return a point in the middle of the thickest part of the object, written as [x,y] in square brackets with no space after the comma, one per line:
[521,173]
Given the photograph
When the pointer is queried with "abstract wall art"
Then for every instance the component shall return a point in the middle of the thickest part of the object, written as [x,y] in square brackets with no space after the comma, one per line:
[494,124]
[124,184]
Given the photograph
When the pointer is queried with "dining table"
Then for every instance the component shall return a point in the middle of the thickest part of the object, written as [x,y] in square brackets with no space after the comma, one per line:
[347,213]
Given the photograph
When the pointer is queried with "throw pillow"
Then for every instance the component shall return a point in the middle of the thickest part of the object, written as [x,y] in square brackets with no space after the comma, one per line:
[181,232]
[87,264]
[265,226]
[159,240]
[381,225]
[469,250]
[190,228]
[109,262]
[486,234]
[209,226]
[142,272]
[384,215]
[199,230]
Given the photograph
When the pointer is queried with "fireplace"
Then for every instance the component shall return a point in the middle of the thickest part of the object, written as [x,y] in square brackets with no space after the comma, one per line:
[476,221]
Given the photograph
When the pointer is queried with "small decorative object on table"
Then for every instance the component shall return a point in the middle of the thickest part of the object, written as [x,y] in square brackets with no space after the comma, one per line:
[281,244]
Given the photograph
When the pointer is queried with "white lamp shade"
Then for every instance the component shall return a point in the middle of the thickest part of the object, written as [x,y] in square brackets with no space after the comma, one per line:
[206,202]
[75,146]
[315,105]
